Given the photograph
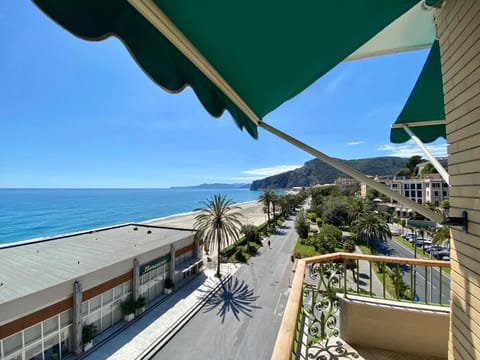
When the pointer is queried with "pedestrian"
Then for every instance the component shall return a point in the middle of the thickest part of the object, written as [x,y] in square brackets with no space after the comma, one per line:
[269,244]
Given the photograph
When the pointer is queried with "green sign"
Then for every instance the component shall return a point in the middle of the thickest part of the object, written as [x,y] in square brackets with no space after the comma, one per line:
[152,265]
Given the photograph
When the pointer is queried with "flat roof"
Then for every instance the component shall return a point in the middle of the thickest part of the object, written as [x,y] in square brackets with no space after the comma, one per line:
[30,267]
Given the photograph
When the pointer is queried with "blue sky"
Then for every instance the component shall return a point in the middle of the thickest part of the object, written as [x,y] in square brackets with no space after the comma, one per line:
[82,114]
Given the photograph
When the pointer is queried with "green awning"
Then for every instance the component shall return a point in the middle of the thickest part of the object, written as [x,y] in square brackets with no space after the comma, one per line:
[266,51]
[248,57]
[424,111]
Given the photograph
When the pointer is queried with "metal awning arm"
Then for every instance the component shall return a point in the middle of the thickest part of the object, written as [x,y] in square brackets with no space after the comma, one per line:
[441,170]
[356,174]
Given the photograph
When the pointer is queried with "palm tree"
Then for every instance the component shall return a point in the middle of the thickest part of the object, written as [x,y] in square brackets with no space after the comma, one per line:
[441,235]
[266,198]
[373,226]
[218,224]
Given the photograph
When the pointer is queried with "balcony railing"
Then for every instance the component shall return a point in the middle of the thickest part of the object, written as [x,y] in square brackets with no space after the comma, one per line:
[320,282]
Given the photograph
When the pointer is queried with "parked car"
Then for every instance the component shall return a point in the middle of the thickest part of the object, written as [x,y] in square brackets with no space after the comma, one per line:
[441,253]
[419,241]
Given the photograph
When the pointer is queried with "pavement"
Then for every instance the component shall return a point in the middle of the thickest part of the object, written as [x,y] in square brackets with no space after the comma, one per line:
[149,332]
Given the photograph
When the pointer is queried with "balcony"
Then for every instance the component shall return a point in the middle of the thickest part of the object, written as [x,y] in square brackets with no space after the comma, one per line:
[352,306]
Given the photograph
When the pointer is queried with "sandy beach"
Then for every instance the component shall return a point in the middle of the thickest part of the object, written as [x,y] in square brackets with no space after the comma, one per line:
[252,212]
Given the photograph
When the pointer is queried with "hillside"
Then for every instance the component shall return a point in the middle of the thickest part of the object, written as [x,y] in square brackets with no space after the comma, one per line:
[318,172]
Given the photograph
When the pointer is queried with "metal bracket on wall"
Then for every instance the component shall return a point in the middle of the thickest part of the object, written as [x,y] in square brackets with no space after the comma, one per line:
[458,221]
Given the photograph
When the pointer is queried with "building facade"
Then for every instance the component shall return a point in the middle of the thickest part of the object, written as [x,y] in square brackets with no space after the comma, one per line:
[66,283]
[458,32]
[432,189]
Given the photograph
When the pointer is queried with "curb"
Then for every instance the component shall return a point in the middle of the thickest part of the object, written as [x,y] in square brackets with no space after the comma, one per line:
[163,339]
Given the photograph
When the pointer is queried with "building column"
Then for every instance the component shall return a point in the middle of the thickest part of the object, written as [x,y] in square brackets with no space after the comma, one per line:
[136,280]
[196,250]
[172,262]
[77,318]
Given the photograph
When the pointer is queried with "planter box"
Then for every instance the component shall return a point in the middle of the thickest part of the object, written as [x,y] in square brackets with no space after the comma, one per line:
[87,346]
[129,317]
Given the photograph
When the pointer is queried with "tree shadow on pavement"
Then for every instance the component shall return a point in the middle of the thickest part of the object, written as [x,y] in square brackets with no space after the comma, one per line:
[233,296]
[383,248]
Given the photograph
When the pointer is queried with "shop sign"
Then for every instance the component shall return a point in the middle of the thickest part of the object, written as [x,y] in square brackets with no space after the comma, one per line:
[152,265]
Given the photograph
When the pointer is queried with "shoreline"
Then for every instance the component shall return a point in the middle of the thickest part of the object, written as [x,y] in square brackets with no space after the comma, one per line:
[251,210]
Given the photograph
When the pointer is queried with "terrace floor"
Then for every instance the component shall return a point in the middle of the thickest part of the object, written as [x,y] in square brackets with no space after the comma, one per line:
[337,349]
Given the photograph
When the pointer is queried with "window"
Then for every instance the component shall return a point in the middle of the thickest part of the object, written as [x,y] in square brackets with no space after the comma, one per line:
[407,193]
[12,343]
[444,194]
[419,201]
[95,303]
[84,308]
[419,194]
[50,325]
[118,291]
[419,186]
[435,193]
[394,185]
[33,334]
[66,318]
[406,186]
[107,297]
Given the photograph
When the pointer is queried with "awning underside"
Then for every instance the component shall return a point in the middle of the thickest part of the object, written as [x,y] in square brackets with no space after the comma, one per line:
[267,51]
[424,111]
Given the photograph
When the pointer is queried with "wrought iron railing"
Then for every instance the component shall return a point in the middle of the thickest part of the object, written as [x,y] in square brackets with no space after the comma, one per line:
[311,314]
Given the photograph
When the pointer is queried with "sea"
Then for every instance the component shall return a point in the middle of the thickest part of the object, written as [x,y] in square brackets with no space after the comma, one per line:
[27,214]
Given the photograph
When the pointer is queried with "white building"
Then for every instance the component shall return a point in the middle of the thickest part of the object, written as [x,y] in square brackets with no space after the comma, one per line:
[49,289]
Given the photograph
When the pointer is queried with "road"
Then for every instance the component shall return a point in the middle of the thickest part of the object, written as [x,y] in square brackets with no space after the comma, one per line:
[394,248]
[243,319]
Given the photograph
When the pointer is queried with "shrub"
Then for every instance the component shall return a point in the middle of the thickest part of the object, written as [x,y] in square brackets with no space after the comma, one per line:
[240,256]
[253,248]
[88,333]
[313,217]
[141,302]
[128,306]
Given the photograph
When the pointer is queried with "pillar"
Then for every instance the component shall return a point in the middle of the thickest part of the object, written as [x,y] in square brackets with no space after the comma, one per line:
[136,280]
[172,262]
[77,318]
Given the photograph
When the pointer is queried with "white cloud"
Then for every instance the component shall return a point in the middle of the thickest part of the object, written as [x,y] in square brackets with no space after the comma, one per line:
[410,149]
[274,170]
[356,142]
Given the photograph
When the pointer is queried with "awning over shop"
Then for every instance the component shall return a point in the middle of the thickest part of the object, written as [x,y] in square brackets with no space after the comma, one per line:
[424,111]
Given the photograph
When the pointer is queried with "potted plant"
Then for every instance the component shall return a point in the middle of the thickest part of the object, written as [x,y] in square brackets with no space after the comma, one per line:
[89,331]
[128,309]
[140,304]
[169,285]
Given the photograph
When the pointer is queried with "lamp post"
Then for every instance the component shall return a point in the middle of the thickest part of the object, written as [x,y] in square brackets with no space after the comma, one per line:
[414,236]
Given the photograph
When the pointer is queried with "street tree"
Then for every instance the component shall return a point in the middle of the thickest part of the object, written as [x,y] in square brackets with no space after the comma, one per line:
[302,225]
[266,199]
[218,224]
[371,227]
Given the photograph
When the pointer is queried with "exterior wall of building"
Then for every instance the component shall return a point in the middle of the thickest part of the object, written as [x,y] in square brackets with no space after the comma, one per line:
[420,190]
[458,29]
[39,326]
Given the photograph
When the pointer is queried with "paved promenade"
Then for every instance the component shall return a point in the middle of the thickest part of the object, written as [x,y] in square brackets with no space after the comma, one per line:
[161,321]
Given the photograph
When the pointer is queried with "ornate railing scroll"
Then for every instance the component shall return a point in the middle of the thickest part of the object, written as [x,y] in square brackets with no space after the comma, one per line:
[320,300]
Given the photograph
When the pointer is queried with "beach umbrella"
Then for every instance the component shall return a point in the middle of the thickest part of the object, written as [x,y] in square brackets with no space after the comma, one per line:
[248,57]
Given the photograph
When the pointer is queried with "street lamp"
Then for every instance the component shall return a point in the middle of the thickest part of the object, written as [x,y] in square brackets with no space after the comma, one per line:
[414,237]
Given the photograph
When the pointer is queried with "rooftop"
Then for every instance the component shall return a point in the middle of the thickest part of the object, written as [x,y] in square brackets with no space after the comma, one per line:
[30,267]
